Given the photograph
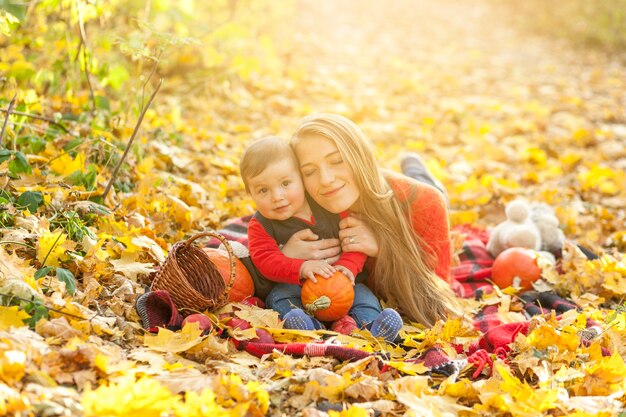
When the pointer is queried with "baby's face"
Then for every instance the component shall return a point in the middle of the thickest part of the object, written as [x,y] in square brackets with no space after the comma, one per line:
[278,191]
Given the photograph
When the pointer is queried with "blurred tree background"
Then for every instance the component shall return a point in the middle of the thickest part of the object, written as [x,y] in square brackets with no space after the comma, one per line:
[596,23]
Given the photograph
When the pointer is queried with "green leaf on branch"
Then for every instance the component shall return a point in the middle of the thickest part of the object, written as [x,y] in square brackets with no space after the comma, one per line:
[15,9]
[5,154]
[8,22]
[19,164]
[30,200]
[37,313]
[35,143]
[42,272]
[102,103]
[67,277]
[5,197]
[86,179]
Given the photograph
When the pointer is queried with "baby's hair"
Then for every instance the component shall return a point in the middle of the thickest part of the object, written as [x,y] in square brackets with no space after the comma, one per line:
[261,153]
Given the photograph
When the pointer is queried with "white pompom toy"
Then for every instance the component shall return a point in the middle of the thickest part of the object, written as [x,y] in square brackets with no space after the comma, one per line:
[518,230]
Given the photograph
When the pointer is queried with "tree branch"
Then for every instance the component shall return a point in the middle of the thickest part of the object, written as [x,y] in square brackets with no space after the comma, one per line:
[83,39]
[38,117]
[130,141]
[6,120]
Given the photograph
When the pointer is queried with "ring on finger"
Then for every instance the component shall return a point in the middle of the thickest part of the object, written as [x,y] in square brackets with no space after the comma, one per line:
[351,240]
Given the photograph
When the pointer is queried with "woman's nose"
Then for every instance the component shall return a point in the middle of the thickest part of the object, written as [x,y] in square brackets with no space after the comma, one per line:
[326,175]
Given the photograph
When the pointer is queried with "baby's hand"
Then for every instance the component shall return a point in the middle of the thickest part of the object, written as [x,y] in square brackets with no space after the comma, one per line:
[346,272]
[310,268]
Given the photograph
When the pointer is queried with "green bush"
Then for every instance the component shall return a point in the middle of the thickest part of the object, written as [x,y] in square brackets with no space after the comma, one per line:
[595,23]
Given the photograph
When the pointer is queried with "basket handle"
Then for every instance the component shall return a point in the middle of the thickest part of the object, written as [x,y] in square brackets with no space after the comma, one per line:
[229,249]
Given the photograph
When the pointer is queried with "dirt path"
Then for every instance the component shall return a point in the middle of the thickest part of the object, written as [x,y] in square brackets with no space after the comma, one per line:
[485,102]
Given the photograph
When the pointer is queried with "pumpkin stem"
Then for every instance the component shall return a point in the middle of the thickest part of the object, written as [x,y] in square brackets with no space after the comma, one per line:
[320,304]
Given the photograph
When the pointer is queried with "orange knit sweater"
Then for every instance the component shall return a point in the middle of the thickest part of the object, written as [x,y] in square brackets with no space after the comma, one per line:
[429,217]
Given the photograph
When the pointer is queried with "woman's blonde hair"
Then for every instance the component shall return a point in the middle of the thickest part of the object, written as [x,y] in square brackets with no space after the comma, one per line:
[404,270]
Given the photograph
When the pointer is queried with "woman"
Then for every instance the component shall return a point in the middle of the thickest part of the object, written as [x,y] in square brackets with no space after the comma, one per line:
[400,223]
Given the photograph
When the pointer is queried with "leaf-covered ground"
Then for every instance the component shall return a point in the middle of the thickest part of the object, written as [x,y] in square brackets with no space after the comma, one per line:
[498,114]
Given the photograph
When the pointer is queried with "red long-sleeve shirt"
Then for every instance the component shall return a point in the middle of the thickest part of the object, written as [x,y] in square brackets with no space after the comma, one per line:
[275,266]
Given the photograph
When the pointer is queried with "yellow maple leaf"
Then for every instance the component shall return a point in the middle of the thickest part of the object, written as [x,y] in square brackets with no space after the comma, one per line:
[333,386]
[350,412]
[128,266]
[66,165]
[414,393]
[442,332]
[12,366]
[12,402]
[12,317]
[16,276]
[458,217]
[535,156]
[604,374]
[203,404]
[462,389]
[259,317]
[526,400]
[127,397]
[409,368]
[130,246]
[545,335]
[600,178]
[173,342]
[103,363]
[251,398]
[52,247]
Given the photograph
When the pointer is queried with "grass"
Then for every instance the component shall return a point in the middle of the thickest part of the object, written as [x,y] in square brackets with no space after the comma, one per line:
[592,23]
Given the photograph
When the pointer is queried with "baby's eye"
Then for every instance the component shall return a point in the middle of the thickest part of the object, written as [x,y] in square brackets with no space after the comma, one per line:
[286,183]
[262,190]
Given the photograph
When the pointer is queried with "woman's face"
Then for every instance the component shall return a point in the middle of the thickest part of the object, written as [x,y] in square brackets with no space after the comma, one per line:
[327,177]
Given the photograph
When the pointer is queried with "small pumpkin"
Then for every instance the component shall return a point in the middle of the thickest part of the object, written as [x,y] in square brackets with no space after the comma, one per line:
[243,287]
[516,262]
[328,299]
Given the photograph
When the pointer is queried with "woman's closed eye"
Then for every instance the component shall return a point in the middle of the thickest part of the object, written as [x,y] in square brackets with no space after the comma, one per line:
[308,172]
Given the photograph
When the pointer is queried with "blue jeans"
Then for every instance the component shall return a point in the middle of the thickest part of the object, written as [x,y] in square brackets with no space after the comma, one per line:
[364,311]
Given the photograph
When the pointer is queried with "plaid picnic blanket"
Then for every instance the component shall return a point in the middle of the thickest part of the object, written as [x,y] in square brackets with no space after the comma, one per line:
[469,279]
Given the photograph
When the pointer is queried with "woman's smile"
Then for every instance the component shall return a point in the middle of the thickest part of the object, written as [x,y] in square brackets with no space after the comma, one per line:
[332,192]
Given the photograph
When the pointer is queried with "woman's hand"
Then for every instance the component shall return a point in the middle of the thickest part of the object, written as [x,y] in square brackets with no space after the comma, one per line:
[305,245]
[356,236]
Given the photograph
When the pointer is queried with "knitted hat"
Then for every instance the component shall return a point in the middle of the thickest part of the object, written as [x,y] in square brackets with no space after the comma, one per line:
[157,309]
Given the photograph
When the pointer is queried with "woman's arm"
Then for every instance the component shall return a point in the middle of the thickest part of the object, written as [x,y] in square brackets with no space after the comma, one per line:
[305,245]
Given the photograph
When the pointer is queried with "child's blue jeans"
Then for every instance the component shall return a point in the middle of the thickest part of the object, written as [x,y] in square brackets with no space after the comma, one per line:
[365,308]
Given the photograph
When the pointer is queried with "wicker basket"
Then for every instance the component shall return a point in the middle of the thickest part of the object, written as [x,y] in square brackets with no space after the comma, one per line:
[192,280]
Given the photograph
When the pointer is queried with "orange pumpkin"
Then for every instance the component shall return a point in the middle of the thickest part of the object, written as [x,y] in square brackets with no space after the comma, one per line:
[516,262]
[243,287]
[328,299]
